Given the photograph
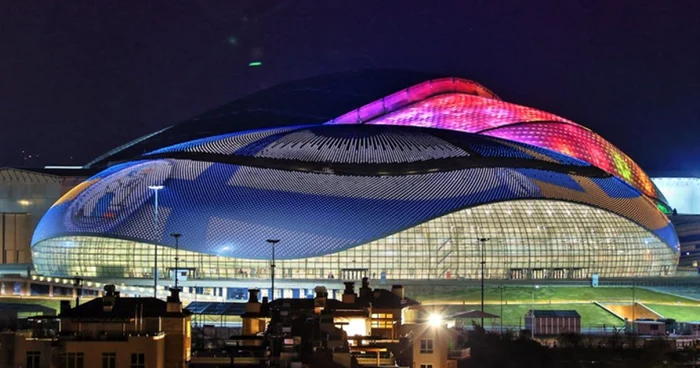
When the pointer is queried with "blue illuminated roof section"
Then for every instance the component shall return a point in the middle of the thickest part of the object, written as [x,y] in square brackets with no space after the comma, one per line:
[230,209]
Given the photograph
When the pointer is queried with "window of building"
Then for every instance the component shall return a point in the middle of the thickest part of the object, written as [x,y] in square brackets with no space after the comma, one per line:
[109,360]
[138,360]
[426,366]
[33,359]
[74,360]
[382,315]
[382,324]
[426,346]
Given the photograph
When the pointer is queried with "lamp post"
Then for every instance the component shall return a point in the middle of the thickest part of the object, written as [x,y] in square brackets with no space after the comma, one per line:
[272,242]
[155,189]
[78,287]
[502,287]
[532,317]
[177,248]
[634,302]
[482,242]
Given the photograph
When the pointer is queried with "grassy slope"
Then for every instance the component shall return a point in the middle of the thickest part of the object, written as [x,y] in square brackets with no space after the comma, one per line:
[519,299]
[550,294]
[50,303]
[591,315]
[679,313]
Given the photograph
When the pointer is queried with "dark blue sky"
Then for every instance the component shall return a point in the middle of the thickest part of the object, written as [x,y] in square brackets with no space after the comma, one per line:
[79,78]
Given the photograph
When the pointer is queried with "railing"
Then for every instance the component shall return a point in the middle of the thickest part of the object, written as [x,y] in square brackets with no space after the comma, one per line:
[106,337]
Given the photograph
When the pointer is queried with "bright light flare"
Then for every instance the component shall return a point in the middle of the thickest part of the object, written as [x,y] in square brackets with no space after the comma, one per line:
[435,319]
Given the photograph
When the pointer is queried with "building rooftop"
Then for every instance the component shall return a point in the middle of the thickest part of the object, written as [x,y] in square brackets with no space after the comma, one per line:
[123,309]
[555,313]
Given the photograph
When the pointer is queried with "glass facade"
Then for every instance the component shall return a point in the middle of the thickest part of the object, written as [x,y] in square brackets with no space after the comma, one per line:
[541,239]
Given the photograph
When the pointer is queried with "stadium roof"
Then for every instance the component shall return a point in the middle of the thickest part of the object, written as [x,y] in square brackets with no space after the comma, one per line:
[307,101]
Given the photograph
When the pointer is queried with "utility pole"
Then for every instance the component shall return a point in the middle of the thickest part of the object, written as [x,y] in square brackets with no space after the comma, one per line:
[273,243]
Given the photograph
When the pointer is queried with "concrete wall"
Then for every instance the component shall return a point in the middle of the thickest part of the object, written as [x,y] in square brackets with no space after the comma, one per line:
[15,236]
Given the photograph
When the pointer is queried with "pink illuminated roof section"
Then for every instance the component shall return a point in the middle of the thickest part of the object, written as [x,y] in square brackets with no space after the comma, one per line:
[463,112]
[583,144]
[413,94]
[482,112]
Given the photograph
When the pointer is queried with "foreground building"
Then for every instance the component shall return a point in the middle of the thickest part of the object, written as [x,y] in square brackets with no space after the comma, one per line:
[111,332]
[372,328]
[425,184]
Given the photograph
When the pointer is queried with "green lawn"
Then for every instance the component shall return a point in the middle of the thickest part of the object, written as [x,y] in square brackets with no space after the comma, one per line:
[677,312]
[591,314]
[46,302]
[50,303]
[548,294]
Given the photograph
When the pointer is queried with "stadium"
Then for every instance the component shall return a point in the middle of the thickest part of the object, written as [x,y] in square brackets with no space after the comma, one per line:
[428,183]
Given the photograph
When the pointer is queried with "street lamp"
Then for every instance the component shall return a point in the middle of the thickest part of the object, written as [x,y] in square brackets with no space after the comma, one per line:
[482,242]
[532,317]
[177,248]
[273,242]
[634,302]
[155,189]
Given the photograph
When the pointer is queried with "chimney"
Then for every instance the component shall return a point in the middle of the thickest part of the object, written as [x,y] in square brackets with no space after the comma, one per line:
[365,290]
[174,305]
[109,298]
[65,306]
[349,293]
[321,298]
[398,291]
[253,306]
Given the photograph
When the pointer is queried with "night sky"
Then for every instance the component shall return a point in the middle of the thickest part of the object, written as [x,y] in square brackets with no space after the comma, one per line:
[79,78]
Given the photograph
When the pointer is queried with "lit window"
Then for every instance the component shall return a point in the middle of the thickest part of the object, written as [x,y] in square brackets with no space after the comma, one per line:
[426,346]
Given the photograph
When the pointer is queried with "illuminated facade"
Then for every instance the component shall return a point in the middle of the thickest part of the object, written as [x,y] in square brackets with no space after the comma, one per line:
[684,196]
[380,200]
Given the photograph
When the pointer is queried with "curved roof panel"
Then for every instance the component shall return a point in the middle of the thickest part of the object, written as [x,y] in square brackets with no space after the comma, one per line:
[476,114]
[357,144]
[230,209]
[312,100]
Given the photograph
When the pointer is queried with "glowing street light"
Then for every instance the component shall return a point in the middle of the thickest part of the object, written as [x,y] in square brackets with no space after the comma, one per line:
[435,319]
